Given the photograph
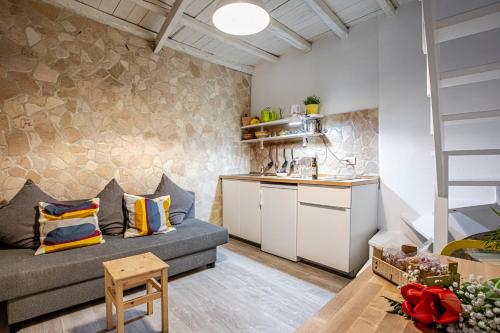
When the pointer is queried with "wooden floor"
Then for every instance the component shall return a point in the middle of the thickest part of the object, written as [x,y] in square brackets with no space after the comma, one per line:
[247,291]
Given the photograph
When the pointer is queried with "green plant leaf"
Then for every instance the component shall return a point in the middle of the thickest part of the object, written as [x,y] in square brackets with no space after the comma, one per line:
[492,239]
[396,307]
[312,100]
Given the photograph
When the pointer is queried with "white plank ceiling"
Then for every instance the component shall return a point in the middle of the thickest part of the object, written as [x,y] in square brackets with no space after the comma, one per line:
[296,15]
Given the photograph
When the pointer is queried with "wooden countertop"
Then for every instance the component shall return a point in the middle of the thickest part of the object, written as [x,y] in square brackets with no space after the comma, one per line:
[362,180]
[359,307]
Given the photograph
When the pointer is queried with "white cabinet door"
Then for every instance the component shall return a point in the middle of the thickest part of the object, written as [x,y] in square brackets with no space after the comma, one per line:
[231,206]
[323,235]
[249,198]
[279,220]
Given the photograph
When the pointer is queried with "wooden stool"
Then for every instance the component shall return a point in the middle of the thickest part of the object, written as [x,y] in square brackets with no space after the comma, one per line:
[129,272]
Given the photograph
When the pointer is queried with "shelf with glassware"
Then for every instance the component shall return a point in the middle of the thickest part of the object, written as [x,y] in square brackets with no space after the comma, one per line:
[306,126]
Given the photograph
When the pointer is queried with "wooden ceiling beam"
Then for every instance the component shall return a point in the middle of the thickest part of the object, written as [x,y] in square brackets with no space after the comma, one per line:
[288,35]
[387,6]
[173,18]
[181,47]
[215,33]
[120,24]
[275,27]
[211,31]
[328,16]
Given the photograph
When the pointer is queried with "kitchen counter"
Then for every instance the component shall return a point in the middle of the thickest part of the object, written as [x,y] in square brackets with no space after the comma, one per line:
[324,180]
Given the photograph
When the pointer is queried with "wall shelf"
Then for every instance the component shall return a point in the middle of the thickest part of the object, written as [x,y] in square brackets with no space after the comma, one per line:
[284,137]
[284,121]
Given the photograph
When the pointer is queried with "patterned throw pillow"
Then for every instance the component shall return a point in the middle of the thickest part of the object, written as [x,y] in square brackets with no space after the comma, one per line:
[147,216]
[64,226]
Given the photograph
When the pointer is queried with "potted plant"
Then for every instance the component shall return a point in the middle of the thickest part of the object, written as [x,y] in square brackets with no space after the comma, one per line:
[312,104]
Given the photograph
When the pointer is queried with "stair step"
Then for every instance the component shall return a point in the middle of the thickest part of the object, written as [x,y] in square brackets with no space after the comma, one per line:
[474,183]
[472,152]
[468,23]
[423,225]
[470,115]
[469,75]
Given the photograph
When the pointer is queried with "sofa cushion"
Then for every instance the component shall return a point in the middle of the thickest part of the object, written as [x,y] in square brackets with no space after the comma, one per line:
[181,203]
[111,216]
[29,274]
[19,218]
[65,227]
[147,216]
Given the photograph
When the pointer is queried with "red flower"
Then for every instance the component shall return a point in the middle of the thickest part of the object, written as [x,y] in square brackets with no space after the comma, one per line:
[430,304]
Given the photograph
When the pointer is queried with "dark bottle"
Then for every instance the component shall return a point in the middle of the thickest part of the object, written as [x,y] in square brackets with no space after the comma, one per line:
[314,168]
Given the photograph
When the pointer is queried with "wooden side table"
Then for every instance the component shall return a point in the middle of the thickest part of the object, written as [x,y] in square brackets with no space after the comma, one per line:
[129,272]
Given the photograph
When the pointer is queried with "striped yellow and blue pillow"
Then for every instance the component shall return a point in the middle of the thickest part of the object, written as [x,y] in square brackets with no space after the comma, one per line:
[64,227]
[147,216]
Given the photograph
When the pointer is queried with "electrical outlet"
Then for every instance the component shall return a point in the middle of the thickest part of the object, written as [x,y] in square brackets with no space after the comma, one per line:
[351,160]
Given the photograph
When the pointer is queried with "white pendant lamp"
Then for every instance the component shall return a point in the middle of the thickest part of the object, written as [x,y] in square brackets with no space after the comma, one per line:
[240,18]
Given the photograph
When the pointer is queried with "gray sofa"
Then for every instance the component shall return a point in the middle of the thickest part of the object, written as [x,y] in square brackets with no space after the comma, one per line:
[31,286]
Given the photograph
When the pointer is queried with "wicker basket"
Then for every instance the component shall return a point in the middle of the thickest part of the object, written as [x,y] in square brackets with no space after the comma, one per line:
[245,121]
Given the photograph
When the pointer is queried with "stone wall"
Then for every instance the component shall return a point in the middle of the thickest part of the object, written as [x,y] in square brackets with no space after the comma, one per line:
[353,134]
[82,103]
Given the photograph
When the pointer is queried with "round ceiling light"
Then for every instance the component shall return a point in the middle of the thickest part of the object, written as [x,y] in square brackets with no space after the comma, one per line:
[240,18]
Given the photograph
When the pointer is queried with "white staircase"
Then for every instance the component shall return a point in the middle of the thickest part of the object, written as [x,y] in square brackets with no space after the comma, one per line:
[436,34]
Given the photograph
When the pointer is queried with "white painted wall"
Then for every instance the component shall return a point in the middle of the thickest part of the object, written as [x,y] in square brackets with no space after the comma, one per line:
[381,63]
[342,72]
[406,145]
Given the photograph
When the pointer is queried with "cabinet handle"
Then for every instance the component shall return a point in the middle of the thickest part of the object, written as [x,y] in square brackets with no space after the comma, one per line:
[260,199]
[323,206]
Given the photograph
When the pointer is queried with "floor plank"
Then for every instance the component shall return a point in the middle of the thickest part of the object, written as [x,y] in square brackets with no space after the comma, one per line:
[247,291]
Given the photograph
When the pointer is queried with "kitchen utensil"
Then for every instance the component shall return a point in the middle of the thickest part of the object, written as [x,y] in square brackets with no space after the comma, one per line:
[292,163]
[270,163]
[276,164]
[313,126]
[285,163]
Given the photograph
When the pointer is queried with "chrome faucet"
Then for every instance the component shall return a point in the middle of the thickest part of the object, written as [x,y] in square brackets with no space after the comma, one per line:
[262,170]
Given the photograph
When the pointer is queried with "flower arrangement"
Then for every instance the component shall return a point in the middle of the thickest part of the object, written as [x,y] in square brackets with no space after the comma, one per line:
[472,307]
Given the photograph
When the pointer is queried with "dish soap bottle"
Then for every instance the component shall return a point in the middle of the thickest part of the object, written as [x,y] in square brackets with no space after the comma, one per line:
[315,168]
